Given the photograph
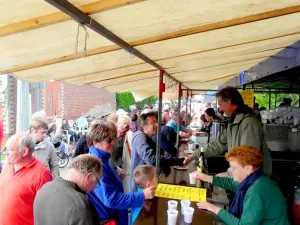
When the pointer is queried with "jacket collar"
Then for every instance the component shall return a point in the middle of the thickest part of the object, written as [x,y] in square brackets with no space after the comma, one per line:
[100,153]
[240,113]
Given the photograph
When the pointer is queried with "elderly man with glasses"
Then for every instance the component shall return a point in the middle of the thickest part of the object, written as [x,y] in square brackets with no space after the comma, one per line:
[64,201]
[109,198]
[19,182]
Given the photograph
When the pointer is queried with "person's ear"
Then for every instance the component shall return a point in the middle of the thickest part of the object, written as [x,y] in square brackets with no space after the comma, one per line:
[89,177]
[25,152]
[249,169]
[229,102]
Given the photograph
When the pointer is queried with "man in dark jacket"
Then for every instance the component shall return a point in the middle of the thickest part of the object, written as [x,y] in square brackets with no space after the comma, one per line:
[81,146]
[144,148]
[64,201]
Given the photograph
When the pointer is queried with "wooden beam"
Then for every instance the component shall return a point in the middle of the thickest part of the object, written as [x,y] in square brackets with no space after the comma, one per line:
[57,17]
[171,35]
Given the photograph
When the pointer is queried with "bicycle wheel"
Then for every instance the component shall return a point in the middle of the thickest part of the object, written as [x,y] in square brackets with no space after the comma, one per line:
[63,160]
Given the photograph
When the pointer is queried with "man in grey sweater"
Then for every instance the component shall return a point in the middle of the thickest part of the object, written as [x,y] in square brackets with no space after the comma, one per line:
[44,149]
[64,201]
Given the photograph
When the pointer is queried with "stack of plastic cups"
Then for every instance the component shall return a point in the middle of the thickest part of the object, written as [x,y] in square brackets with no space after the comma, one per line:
[172,212]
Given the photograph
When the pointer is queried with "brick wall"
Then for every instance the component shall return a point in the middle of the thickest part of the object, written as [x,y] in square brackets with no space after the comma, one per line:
[86,99]
[32,91]
[9,107]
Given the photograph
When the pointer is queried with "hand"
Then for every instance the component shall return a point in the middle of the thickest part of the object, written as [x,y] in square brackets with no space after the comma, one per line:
[149,192]
[188,160]
[121,175]
[225,174]
[203,177]
[209,207]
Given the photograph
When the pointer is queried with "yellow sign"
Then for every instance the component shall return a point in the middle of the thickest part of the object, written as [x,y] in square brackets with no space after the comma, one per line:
[248,96]
[181,192]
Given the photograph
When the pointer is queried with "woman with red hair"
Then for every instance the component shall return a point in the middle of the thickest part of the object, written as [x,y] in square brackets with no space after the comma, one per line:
[258,200]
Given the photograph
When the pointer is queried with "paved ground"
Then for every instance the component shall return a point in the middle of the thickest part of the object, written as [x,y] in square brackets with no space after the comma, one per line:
[63,171]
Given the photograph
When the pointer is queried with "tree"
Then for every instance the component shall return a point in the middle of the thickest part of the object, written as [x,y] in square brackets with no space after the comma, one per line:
[126,99]
[263,99]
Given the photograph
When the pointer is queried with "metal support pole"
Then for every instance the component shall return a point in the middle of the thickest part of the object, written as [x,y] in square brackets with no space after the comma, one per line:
[191,102]
[159,119]
[178,116]
[275,100]
[186,107]
[269,99]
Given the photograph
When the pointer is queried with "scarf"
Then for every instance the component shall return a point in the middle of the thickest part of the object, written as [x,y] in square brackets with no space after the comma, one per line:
[121,133]
[236,207]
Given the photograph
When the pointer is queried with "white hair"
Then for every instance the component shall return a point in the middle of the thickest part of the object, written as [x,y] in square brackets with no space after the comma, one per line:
[40,115]
[26,141]
[125,118]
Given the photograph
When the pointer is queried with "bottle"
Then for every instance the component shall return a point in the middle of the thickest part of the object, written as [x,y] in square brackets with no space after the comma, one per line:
[200,167]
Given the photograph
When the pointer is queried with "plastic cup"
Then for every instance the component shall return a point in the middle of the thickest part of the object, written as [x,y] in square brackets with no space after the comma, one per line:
[172,204]
[188,214]
[184,204]
[172,216]
[191,146]
[192,178]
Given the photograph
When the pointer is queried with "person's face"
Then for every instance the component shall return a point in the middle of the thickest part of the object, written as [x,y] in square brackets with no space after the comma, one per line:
[207,117]
[225,106]
[64,122]
[121,125]
[150,128]
[13,154]
[38,134]
[91,181]
[108,143]
[239,173]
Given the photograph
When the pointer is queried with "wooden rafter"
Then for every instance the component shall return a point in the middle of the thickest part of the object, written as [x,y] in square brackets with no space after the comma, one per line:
[171,35]
[57,17]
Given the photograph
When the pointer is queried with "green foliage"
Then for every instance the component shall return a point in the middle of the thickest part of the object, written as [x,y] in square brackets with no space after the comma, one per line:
[126,99]
[263,99]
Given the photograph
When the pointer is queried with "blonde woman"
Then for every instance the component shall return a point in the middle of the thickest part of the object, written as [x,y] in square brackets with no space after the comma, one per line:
[125,134]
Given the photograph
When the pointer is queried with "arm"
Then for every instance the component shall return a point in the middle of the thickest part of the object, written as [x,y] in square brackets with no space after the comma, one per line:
[251,132]
[225,183]
[53,163]
[147,153]
[214,148]
[46,177]
[111,197]
[253,211]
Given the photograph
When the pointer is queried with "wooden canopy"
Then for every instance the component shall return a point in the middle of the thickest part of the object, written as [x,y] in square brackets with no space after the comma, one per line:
[200,43]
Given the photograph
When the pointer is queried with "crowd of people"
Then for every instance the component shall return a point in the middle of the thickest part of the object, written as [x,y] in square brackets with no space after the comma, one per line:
[114,172]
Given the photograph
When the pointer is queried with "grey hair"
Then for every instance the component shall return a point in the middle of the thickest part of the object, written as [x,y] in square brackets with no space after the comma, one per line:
[174,115]
[26,141]
[40,115]
[86,163]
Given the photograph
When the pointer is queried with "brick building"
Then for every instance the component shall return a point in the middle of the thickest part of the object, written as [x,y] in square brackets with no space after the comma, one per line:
[56,98]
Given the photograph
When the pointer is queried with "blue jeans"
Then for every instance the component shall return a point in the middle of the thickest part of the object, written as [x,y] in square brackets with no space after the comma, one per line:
[73,135]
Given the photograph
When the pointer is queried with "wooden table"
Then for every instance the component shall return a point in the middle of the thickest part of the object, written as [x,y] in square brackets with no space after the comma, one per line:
[154,211]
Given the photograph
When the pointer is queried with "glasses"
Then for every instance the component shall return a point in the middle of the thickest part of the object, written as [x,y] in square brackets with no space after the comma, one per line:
[110,140]
[7,150]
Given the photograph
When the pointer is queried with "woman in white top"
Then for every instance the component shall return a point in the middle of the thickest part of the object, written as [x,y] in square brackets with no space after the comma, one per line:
[123,131]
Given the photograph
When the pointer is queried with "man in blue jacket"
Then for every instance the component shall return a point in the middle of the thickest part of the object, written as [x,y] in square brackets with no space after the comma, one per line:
[144,148]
